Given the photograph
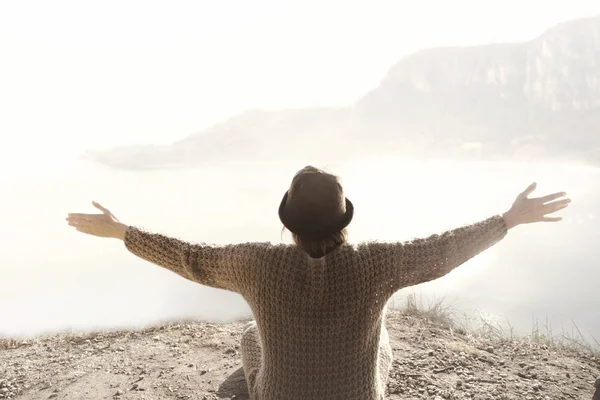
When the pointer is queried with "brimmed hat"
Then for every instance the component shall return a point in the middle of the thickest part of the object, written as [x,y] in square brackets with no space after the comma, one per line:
[315,205]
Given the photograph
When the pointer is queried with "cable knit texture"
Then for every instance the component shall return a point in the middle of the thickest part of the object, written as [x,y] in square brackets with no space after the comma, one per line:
[319,331]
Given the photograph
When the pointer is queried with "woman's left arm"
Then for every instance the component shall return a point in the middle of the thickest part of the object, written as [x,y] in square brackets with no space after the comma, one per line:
[406,264]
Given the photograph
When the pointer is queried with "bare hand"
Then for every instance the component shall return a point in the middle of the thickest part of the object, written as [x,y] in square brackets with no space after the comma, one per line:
[102,225]
[526,211]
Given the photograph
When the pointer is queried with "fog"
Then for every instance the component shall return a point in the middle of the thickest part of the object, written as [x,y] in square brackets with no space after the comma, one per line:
[54,278]
[77,76]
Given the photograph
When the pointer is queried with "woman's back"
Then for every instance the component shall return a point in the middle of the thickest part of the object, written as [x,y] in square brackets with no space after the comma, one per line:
[318,326]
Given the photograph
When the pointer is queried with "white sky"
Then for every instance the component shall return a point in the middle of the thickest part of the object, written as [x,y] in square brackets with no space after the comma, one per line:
[80,74]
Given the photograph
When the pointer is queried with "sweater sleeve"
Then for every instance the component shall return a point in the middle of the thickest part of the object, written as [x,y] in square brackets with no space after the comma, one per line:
[422,260]
[223,267]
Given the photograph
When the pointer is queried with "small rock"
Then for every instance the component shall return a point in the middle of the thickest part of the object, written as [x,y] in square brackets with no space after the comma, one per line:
[204,370]
[53,395]
[119,393]
[490,349]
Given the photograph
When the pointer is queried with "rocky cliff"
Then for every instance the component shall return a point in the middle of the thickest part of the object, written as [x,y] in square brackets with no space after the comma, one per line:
[538,99]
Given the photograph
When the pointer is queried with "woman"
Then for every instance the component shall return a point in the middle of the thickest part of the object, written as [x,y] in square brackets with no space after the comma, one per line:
[319,304]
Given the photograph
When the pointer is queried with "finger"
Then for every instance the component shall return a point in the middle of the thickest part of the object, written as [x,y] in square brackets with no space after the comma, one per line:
[104,210]
[85,217]
[555,206]
[551,219]
[99,207]
[82,225]
[551,197]
[558,203]
[529,190]
[79,223]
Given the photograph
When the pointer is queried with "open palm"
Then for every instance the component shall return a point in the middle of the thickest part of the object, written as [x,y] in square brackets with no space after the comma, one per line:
[527,210]
[104,224]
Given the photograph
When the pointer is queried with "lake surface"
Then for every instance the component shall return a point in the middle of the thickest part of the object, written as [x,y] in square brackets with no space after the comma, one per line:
[53,278]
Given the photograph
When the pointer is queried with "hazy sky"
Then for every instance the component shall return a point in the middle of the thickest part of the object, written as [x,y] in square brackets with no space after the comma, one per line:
[80,74]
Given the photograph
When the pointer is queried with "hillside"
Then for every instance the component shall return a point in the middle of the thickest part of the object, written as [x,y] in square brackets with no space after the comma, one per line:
[197,360]
[538,99]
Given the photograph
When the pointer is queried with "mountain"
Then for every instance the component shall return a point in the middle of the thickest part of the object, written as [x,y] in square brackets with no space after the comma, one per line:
[538,99]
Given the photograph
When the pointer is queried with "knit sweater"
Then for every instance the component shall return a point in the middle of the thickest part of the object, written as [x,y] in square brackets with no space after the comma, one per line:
[319,320]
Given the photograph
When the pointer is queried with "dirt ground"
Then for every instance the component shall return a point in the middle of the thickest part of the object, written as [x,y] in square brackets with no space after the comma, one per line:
[196,360]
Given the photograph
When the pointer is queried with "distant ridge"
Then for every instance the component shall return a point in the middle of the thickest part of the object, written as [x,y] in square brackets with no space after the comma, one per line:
[535,100]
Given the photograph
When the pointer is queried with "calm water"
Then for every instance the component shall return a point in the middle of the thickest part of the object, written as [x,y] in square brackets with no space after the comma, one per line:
[53,278]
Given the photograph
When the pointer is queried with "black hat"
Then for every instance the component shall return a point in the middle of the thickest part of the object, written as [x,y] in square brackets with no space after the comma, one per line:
[315,205]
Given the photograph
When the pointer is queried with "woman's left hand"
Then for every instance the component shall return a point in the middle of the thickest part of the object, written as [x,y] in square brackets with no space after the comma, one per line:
[104,224]
[527,210]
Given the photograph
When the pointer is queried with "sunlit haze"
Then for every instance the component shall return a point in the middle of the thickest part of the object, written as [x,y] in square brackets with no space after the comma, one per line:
[93,75]
[81,74]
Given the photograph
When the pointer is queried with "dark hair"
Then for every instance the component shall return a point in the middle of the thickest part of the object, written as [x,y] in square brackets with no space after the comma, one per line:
[319,247]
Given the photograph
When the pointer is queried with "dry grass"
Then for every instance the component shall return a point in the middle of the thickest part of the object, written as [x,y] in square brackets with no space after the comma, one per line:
[481,329]
[477,328]
[436,312]
[7,344]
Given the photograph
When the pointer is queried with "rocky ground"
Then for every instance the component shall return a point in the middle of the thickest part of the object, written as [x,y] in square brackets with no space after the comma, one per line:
[196,360]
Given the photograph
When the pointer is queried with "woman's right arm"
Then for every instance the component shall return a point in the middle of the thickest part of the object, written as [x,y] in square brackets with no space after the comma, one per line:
[229,267]
[418,261]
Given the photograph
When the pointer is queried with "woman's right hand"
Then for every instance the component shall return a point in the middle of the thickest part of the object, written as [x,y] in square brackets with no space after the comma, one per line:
[101,225]
[525,210]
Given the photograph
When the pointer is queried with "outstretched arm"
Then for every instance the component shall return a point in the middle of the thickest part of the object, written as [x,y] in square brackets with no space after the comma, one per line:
[225,267]
[422,260]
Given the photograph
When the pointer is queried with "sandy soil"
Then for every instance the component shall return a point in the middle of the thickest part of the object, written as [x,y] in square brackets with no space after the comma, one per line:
[197,360]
